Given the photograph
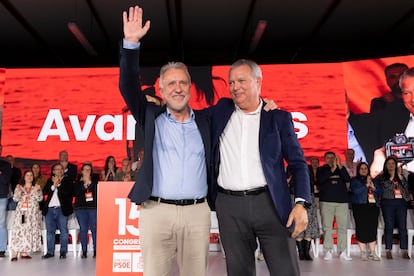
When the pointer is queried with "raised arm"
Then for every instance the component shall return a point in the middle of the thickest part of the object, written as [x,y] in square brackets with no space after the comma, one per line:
[129,84]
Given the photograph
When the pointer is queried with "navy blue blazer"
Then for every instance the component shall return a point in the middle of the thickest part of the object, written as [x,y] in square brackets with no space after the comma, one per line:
[277,142]
[145,114]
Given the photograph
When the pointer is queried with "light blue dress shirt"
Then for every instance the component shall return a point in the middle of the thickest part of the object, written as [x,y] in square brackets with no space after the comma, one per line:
[178,156]
[179,159]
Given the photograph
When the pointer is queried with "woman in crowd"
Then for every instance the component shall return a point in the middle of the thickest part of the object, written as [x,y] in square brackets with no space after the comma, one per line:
[39,178]
[86,191]
[365,205]
[110,169]
[26,235]
[394,205]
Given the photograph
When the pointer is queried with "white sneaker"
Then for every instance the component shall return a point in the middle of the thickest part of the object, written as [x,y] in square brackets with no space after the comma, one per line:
[344,257]
[328,256]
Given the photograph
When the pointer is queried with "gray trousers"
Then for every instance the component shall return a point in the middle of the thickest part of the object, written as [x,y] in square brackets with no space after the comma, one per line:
[340,211]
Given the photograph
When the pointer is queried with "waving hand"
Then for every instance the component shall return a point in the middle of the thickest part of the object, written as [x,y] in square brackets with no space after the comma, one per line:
[133,29]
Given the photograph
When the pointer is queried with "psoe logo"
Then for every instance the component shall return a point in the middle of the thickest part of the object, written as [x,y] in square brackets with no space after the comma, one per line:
[121,262]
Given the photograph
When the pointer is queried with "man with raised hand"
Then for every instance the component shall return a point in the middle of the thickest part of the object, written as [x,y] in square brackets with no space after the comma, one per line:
[171,185]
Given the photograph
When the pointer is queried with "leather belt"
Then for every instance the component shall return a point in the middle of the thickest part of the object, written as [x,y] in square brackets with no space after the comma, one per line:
[254,191]
[180,202]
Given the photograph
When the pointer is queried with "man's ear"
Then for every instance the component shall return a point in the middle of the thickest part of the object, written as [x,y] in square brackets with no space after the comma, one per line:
[259,83]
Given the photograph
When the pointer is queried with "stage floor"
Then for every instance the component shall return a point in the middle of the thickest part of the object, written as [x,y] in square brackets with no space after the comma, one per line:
[216,267]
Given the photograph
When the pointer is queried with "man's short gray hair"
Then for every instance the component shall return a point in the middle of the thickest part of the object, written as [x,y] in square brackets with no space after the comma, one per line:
[257,72]
[173,65]
[409,73]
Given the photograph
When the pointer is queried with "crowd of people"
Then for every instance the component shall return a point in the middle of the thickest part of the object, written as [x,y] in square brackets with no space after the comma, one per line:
[388,192]
[334,186]
[34,198]
[338,187]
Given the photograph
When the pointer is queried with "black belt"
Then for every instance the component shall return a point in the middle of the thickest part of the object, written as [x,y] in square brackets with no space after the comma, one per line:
[181,202]
[254,191]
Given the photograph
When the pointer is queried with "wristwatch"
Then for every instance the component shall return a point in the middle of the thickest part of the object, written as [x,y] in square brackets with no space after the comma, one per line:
[305,204]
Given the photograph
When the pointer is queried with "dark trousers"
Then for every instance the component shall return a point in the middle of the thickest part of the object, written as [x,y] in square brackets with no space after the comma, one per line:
[242,220]
[87,220]
[394,212]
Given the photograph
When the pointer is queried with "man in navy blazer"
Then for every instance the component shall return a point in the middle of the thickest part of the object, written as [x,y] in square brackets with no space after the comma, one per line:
[250,189]
[172,184]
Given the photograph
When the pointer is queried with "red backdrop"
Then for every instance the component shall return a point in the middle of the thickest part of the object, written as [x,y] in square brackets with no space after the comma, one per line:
[86,110]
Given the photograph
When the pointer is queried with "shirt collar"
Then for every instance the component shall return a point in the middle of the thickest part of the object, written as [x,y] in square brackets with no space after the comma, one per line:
[255,112]
[171,117]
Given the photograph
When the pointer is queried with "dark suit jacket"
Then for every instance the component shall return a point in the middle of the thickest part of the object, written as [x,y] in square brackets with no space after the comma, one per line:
[72,171]
[277,142]
[65,194]
[365,130]
[394,119]
[145,114]
[377,104]
[5,176]
[79,194]
[16,176]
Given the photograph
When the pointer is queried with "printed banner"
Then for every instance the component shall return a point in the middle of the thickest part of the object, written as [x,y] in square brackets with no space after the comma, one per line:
[118,247]
[82,111]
